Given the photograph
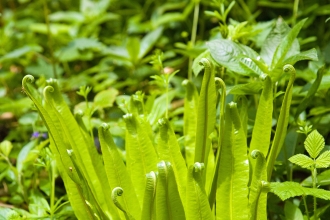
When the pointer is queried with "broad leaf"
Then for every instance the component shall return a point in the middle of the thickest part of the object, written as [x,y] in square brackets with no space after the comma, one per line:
[286,190]
[292,212]
[305,55]
[149,41]
[228,54]
[323,161]
[245,89]
[274,38]
[302,160]
[314,143]
[284,47]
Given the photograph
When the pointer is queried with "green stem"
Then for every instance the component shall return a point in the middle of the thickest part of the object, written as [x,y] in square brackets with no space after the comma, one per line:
[314,174]
[50,45]
[52,191]
[214,184]
[193,37]
[167,103]
[306,208]
[295,12]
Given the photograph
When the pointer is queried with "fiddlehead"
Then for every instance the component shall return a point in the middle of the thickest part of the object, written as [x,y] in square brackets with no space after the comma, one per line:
[118,191]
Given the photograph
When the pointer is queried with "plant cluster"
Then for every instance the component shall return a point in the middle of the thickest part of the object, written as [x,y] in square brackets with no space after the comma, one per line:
[164,109]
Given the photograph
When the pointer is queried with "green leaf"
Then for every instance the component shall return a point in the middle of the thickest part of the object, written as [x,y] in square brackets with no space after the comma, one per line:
[206,114]
[105,98]
[286,44]
[190,121]
[117,173]
[250,66]
[232,192]
[258,197]
[302,160]
[245,89]
[274,38]
[141,157]
[149,41]
[282,122]
[196,67]
[168,202]
[286,190]
[169,151]
[6,147]
[323,161]
[292,212]
[148,208]
[305,55]
[20,52]
[311,92]
[133,48]
[197,204]
[159,107]
[116,194]
[262,128]
[323,179]
[228,54]
[314,143]
[43,68]
[88,160]
[58,148]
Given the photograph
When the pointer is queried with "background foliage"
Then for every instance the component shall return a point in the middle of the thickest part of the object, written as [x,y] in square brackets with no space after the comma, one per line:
[114,47]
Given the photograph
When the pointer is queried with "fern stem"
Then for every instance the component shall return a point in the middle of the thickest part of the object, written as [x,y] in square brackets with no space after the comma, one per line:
[214,185]
[193,37]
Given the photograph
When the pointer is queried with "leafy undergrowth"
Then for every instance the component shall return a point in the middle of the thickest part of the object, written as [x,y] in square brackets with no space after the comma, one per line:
[164,109]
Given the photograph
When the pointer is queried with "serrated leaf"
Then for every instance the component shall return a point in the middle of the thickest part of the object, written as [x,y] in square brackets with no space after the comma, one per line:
[302,160]
[286,190]
[314,143]
[323,161]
